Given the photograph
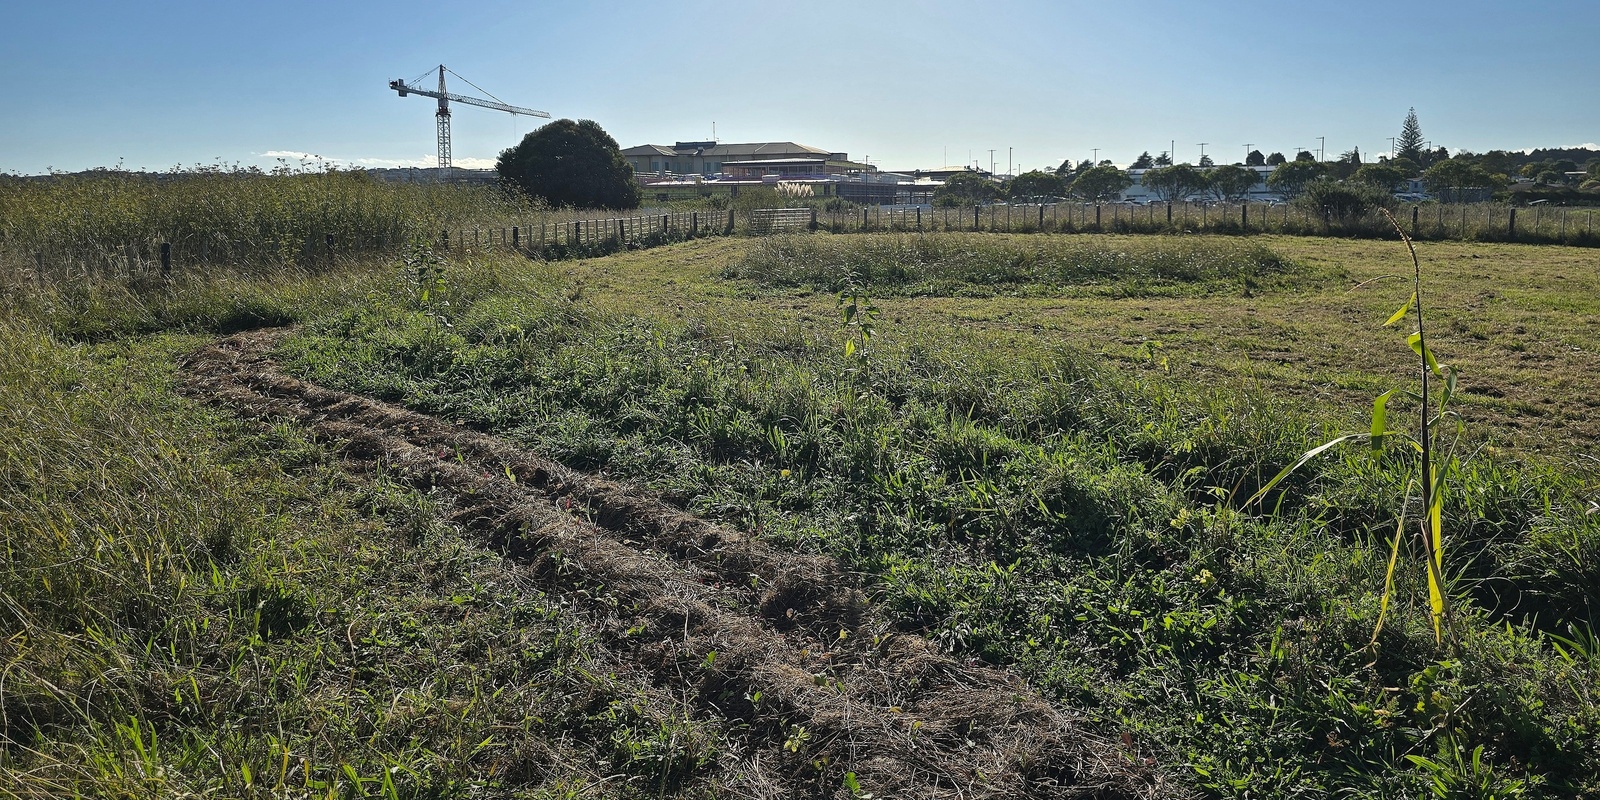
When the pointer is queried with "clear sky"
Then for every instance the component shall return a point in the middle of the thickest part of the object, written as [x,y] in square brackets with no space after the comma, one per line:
[157,84]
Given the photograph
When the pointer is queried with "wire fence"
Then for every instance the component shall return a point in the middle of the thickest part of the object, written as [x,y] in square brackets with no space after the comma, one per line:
[567,236]
[1482,222]
[557,237]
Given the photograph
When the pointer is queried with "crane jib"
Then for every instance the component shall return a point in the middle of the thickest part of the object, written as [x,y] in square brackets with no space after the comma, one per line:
[443,127]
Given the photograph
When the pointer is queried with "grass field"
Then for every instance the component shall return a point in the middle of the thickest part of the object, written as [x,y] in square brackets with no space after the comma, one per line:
[1033,451]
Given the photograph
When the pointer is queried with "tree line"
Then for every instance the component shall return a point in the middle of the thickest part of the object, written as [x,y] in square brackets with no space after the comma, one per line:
[1347,183]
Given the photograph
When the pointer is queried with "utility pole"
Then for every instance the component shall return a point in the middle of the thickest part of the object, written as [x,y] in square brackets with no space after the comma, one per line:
[1203,150]
[1247,151]
[991,161]
[1391,147]
[1095,161]
[1322,148]
[1009,172]
[1172,152]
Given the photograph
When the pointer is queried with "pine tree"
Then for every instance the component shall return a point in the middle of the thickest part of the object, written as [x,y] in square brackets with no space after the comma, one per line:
[1409,145]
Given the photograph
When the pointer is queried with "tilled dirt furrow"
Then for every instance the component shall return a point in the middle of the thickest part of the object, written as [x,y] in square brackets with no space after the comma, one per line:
[785,644]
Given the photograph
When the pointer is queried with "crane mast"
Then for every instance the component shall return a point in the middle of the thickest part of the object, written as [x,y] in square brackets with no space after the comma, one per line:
[442,116]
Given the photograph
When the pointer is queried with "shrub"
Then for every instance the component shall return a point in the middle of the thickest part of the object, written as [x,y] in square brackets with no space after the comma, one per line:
[1344,202]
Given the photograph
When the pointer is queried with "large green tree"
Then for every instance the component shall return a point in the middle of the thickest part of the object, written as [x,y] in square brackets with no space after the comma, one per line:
[1036,184]
[1291,177]
[1230,182]
[571,164]
[1449,178]
[1101,183]
[1383,176]
[1175,182]
[1409,144]
[965,189]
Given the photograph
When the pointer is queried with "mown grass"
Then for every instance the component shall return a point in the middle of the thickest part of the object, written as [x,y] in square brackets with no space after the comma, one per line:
[954,264]
[1025,501]
[193,606]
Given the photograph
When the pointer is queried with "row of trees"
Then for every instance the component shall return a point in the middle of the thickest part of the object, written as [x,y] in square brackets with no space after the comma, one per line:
[571,163]
[1094,183]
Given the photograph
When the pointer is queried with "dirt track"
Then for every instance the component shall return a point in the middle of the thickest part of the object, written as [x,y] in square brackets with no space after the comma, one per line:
[668,589]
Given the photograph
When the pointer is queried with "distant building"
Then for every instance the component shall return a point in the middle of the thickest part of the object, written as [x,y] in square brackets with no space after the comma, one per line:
[703,169]
[752,159]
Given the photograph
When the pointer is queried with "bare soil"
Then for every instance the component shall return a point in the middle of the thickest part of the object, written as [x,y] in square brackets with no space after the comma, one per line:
[715,616]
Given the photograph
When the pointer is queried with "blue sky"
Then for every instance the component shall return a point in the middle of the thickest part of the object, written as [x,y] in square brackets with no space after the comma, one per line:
[907,84]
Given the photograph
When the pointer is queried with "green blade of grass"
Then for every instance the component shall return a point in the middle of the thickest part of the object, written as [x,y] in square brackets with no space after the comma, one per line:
[1304,458]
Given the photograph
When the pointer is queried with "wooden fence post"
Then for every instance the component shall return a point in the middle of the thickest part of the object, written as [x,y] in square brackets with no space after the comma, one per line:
[1414,213]
[166,260]
[1097,228]
[694,223]
[814,217]
[974,217]
[1169,213]
[1511,225]
[1244,216]
[516,238]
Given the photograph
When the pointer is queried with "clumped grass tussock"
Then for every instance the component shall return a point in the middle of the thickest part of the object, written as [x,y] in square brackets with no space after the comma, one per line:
[228,216]
[1037,508]
[942,264]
